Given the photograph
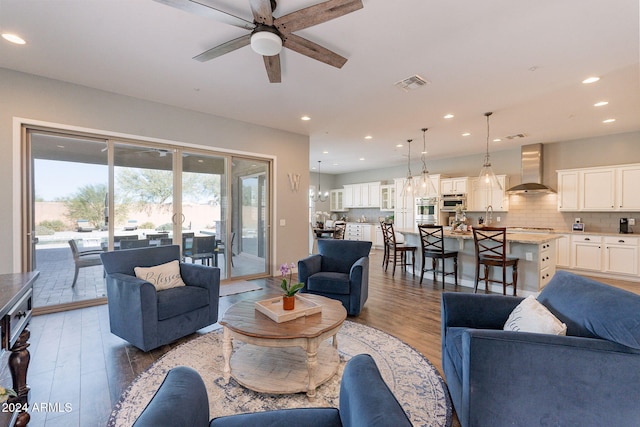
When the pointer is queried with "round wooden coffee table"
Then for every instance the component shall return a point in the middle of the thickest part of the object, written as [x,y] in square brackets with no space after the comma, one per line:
[282,358]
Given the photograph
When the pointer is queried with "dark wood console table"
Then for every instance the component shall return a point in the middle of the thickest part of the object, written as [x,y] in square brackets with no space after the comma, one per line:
[16,291]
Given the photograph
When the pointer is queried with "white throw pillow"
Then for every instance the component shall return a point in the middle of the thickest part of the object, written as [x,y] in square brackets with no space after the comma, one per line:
[163,276]
[531,316]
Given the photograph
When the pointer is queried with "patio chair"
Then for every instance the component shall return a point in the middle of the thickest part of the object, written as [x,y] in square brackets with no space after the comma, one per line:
[81,259]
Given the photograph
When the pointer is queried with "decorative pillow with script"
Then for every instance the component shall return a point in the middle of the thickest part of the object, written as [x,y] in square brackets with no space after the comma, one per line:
[163,276]
[531,316]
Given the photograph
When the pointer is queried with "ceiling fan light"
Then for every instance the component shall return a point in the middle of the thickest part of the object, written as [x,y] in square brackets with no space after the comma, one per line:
[266,43]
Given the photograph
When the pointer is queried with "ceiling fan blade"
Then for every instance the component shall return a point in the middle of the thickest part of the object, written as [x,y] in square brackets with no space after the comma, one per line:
[204,8]
[316,14]
[314,50]
[262,12]
[272,64]
[227,47]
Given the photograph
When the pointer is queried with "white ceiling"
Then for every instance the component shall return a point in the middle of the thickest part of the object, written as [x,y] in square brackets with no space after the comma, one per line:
[524,60]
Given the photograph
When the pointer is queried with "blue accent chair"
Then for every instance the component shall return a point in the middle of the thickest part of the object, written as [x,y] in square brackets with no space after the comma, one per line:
[339,271]
[365,401]
[591,377]
[147,318]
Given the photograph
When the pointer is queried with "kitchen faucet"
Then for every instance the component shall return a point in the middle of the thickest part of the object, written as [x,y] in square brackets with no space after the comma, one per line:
[488,215]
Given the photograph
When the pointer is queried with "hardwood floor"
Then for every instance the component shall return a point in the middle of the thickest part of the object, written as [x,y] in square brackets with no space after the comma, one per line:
[75,360]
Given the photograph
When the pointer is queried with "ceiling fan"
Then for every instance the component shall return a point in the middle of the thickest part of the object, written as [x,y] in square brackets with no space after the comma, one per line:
[269,34]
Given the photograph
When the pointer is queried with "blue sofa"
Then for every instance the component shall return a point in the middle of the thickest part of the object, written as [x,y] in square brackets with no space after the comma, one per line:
[339,271]
[149,319]
[591,377]
[365,401]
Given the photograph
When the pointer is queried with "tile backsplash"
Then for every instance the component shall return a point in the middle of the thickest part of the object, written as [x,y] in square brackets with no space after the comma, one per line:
[534,210]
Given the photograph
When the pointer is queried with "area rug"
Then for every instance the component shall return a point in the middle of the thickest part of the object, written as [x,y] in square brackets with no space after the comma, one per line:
[238,287]
[413,379]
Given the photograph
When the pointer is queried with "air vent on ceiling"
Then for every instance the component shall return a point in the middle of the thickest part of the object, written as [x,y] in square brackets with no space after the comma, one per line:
[413,82]
[516,136]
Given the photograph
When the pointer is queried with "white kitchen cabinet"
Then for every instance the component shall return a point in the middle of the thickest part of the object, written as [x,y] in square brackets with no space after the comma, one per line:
[563,251]
[498,199]
[586,252]
[621,255]
[358,231]
[387,197]
[336,200]
[597,189]
[627,194]
[547,263]
[600,189]
[378,240]
[568,190]
[454,185]
[365,195]
[404,211]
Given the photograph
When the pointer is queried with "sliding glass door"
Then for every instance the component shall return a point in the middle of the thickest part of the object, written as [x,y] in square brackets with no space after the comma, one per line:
[85,195]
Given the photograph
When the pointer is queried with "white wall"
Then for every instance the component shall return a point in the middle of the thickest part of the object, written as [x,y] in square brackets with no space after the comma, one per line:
[39,99]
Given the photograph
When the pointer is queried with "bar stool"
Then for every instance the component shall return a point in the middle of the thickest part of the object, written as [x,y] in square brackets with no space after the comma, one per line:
[398,250]
[490,244]
[432,244]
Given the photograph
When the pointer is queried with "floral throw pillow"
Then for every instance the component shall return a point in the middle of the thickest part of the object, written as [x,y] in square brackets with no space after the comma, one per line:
[163,276]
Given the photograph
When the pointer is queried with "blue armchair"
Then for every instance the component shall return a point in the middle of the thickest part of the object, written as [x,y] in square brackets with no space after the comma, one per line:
[365,401]
[340,271]
[590,377]
[148,318]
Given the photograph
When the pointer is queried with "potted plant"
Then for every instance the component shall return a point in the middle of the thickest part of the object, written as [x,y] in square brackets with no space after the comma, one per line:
[290,290]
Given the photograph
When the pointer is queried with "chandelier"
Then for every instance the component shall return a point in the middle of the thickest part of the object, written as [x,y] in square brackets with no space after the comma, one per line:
[318,196]
[424,187]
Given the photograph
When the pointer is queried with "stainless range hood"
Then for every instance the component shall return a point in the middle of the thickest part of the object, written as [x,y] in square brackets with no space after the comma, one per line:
[531,172]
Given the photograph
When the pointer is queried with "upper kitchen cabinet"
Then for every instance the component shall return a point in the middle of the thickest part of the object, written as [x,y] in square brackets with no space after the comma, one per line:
[498,199]
[454,185]
[366,195]
[336,200]
[611,188]
[387,197]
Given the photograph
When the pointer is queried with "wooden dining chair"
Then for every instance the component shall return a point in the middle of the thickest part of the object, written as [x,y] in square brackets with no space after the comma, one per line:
[397,253]
[339,229]
[432,245]
[490,246]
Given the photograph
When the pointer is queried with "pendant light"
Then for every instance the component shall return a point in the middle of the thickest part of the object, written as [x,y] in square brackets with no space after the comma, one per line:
[408,187]
[487,180]
[318,196]
[424,186]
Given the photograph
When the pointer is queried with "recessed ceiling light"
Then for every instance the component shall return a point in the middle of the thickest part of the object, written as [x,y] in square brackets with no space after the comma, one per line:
[325,152]
[449,116]
[609,121]
[466,134]
[335,164]
[497,140]
[399,145]
[368,137]
[361,158]
[305,118]
[601,104]
[13,38]
[590,80]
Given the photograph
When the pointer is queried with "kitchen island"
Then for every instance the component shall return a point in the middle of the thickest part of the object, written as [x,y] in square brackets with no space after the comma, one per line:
[537,253]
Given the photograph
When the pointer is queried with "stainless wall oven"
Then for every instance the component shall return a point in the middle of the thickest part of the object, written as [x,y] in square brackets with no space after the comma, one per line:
[449,202]
[426,210]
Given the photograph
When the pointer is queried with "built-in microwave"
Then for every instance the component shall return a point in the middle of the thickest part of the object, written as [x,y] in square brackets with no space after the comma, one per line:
[449,202]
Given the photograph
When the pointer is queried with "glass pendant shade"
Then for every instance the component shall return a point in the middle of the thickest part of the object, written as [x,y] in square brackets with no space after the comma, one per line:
[319,197]
[424,186]
[487,180]
[408,188]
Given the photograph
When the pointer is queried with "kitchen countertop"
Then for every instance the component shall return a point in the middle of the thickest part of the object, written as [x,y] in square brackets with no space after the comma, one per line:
[516,237]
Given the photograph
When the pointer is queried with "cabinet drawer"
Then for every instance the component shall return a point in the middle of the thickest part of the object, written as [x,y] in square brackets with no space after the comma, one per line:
[621,240]
[545,276]
[590,238]
[17,319]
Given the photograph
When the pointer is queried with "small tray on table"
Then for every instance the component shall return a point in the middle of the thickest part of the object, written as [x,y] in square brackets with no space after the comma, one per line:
[272,308]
